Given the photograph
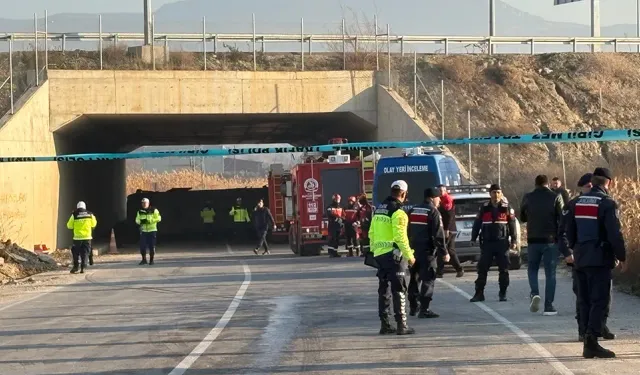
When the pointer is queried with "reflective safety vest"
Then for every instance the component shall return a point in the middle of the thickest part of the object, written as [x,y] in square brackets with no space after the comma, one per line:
[239,214]
[207,214]
[388,229]
[82,223]
[152,217]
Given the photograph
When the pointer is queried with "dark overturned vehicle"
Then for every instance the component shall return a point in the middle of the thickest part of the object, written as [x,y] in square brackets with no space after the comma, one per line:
[468,199]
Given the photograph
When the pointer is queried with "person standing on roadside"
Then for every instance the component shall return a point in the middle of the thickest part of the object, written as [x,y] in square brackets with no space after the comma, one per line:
[393,254]
[426,235]
[82,223]
[364,222]
[262,220]
[335,214]
[148,218]
[594,233]
[241,220]
[541,210]
[351,226]
[585,187]
[448,213]
[496,226]
[556,186]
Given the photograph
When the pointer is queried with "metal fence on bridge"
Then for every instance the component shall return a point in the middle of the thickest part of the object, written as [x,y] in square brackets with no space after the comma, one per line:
[386,48]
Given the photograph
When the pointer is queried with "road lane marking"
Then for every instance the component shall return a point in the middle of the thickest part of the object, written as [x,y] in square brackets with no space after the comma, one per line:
[553,361]
[189,360]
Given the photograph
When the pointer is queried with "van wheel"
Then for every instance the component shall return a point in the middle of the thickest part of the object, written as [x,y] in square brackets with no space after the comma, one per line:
[515,262]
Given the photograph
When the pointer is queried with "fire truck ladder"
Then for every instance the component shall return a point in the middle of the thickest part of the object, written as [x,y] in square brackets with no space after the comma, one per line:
[368,173]
[277,200]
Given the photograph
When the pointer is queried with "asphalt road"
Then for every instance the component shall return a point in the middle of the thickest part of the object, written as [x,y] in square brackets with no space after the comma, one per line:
[205,311]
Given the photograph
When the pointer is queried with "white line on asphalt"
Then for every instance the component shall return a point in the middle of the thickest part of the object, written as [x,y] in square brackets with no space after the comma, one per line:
[213,334]
[553,361]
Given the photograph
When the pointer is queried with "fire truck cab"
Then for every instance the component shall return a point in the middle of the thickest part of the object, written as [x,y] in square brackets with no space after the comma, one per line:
[313,183]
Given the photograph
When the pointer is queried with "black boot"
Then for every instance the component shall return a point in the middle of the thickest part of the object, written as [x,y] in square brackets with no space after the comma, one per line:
[502,296]
[404,329]
[143,261]
[478,297]
[386,328]
[350,252]
[592,349]
[413,309]
[74,269]
[427,314]
[460,273]
[91,257]
[606,334]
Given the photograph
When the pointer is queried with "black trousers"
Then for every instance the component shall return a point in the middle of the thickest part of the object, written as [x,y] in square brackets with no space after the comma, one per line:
[594,290]
[79,251]
[333,238]
[262,238]
[148,241]
[451,249]
[392,286]
[364,244]
[498,250]
[422,282]
[351,237]
[581,328]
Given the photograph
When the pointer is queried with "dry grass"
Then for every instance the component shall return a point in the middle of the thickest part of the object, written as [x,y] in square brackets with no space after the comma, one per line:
[162,181]
[626,193]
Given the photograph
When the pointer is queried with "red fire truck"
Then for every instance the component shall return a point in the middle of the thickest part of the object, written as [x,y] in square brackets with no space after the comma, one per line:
[306,191]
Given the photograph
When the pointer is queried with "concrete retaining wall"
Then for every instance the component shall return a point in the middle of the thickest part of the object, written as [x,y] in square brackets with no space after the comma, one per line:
[29,191]
[74,93]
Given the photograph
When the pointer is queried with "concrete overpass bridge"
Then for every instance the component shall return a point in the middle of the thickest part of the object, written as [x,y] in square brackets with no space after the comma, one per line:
[119,111]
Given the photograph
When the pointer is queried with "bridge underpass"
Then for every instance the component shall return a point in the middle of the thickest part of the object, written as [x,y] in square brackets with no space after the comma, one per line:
[102,185]
[113,111]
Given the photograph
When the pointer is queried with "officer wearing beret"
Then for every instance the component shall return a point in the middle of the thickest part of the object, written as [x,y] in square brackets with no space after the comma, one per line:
[593,232]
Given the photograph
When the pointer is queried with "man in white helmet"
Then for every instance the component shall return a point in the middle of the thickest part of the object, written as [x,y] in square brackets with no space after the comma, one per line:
[82,222]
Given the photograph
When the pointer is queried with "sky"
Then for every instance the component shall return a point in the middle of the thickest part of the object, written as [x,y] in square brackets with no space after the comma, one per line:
[612,11]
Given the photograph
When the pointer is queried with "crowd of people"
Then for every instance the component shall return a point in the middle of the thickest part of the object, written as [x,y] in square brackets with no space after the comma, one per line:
[406,245]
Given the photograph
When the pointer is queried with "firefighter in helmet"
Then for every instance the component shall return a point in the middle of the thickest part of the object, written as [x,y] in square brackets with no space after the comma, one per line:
[350,226]
[335,214]
[365,210]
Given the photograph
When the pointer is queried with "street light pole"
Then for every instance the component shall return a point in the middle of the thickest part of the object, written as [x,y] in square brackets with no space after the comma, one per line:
[147,22]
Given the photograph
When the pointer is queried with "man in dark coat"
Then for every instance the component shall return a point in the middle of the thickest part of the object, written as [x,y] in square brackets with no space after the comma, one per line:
[262,221]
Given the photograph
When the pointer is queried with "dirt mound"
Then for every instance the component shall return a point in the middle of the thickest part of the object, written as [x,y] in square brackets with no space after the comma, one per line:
[20,263]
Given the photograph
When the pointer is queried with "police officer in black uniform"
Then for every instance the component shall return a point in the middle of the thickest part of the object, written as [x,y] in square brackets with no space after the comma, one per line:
[496,225]
[593,232]
[426,235]
[585,185]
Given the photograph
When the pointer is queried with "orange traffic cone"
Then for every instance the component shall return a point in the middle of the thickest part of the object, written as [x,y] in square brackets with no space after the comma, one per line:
[113,249]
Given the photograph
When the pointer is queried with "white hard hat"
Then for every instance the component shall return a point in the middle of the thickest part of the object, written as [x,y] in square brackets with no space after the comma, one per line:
[145,200]
[400,184]
[81,205]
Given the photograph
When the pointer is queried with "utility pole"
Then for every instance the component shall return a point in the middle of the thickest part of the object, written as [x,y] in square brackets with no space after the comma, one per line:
[147,22]
[595,23]
[492,22]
